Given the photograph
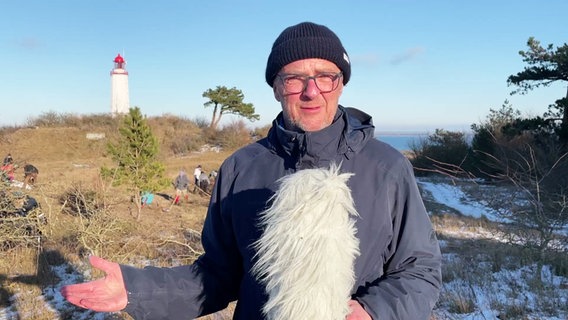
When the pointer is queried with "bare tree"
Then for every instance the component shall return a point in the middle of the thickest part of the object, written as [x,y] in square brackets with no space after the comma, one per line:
[537,201]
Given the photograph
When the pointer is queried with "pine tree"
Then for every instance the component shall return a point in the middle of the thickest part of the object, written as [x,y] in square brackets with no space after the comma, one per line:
[228,101]
[135,153]
[545,65]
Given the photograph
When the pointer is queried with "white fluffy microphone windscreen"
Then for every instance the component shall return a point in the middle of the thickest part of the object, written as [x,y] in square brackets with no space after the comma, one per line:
[306,253]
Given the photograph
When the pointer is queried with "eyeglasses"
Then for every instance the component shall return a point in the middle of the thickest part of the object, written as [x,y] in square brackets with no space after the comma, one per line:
[295,83]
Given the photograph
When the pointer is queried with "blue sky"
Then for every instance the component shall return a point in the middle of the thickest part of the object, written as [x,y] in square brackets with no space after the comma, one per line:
[416,65]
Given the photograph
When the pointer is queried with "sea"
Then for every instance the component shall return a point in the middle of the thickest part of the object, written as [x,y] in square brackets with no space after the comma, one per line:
[401,141]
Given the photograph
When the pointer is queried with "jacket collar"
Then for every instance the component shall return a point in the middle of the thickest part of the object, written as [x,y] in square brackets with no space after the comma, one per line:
[348,133]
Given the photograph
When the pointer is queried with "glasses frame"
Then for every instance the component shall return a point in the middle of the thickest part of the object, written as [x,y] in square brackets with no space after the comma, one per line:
[336,77]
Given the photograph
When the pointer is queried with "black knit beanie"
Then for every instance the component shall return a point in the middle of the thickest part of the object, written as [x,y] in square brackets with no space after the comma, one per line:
[304,41]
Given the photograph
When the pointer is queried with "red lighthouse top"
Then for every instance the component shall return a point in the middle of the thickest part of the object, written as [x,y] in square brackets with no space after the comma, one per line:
[119,61]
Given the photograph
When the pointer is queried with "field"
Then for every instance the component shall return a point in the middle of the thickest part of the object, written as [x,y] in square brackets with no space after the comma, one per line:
[69,165]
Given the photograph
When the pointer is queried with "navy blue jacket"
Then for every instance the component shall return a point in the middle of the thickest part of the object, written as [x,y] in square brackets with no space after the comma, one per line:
[398,273]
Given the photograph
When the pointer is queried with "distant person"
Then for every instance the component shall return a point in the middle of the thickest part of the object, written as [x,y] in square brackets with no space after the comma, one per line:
[30,175]
[181,184]
[397,271]
[8,172]
[212,178]
[196,175]
[26,204]
[146,198]
[204,181]
[8,159]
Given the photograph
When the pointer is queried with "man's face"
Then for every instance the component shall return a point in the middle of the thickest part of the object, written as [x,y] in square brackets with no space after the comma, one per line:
[309,110]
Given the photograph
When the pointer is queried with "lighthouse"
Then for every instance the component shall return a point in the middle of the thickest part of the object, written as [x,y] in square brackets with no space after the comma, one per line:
[120,103]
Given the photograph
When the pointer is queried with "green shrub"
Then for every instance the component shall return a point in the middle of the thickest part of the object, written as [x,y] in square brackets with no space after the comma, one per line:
[445,152]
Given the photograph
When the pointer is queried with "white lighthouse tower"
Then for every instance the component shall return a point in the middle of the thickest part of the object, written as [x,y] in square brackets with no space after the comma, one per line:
[120,103]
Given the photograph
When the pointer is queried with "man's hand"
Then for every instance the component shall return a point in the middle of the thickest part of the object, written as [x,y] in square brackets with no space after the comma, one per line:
[357,311]
[105,295]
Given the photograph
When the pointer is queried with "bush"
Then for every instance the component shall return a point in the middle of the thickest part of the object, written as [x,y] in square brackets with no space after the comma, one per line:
[259,133]
[21,220]
[177,135]
[442,152]
[232,136]
[53,119]
[78,201]
[201,122]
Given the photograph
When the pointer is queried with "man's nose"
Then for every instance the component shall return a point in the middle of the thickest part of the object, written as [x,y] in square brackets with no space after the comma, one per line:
[311,89]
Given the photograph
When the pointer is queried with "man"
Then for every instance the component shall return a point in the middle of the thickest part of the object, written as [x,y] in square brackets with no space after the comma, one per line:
[7,159]
[181,183]
[196,175]
[212,178]
[7,172]
[398,269]
[30,175]
[204,181]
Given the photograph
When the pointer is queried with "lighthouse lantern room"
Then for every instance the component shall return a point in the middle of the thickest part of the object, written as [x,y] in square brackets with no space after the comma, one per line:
[120,103]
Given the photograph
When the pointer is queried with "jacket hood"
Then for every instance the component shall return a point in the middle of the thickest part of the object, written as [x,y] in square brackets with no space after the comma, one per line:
[349,132]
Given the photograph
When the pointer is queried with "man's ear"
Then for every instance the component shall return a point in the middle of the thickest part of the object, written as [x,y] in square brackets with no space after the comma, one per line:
[277,95]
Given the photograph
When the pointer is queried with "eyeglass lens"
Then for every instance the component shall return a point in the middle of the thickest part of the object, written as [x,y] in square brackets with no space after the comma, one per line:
[325,82]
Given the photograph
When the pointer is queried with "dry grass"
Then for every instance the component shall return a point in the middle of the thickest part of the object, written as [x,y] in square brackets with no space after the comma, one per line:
[68,161]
